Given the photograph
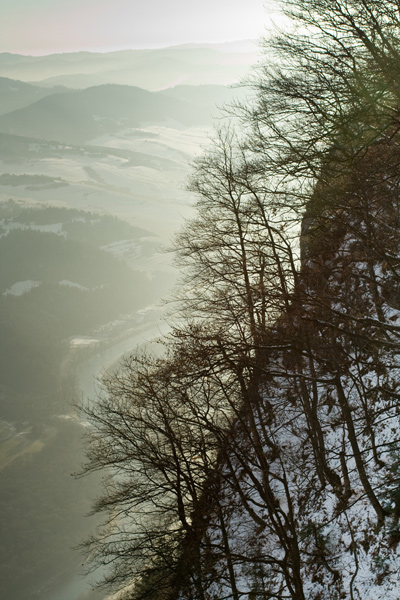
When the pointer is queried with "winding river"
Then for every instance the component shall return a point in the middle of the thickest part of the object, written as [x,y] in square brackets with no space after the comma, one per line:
[76,586]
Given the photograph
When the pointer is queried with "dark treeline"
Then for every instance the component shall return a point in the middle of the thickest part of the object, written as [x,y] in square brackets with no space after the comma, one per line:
[259,456]
[73,291]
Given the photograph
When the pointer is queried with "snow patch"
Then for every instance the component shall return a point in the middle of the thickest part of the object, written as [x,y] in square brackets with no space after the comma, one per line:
[73,284]
[21,287]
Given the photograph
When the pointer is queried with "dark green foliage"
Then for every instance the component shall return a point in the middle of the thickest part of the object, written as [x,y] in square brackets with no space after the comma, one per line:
[47,257]
[102,230]
[31,180]
[79,287]
[88,227]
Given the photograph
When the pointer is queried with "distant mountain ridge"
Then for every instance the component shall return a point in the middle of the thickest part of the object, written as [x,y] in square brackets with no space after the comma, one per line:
[16,94]
[150,69]
[76,116]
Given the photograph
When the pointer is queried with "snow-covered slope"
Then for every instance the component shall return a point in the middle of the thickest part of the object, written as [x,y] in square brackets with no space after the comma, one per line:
[309,500]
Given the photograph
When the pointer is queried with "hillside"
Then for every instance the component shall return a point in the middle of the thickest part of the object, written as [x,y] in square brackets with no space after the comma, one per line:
[17,94]
[259,456]
[106,146]
[276,405]
[63,272]
[70,281]
[76,117]
[76,282]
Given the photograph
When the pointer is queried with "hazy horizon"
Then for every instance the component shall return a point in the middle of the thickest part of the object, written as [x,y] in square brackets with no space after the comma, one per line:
[69,26]
[247,45]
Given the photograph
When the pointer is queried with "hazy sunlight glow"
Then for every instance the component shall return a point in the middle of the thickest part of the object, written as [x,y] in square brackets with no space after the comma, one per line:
[48,26]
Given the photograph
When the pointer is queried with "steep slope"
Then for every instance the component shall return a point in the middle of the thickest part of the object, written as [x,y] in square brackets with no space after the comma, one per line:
[308,481]
[275,411]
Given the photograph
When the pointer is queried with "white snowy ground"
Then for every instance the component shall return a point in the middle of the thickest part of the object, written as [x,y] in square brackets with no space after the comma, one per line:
[152,197]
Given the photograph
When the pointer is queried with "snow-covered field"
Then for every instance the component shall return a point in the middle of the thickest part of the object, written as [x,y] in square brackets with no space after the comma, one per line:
[149,195]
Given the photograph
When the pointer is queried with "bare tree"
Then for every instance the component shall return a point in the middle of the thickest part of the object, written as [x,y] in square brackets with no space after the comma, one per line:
[265,423]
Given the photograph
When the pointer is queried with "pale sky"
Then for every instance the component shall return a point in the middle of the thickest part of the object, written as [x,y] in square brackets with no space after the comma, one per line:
[48,26]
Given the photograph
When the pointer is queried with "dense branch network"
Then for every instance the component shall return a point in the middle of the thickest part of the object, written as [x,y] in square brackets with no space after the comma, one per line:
[258,457]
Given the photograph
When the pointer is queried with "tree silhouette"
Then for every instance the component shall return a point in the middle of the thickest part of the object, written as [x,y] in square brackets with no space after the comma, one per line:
[253,459]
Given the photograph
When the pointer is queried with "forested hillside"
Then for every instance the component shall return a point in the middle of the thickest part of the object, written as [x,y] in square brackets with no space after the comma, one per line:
[58,278]
[69,286]
[259,457]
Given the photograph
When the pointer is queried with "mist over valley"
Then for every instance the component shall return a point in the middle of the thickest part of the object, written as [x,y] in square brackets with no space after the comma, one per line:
[93,162]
